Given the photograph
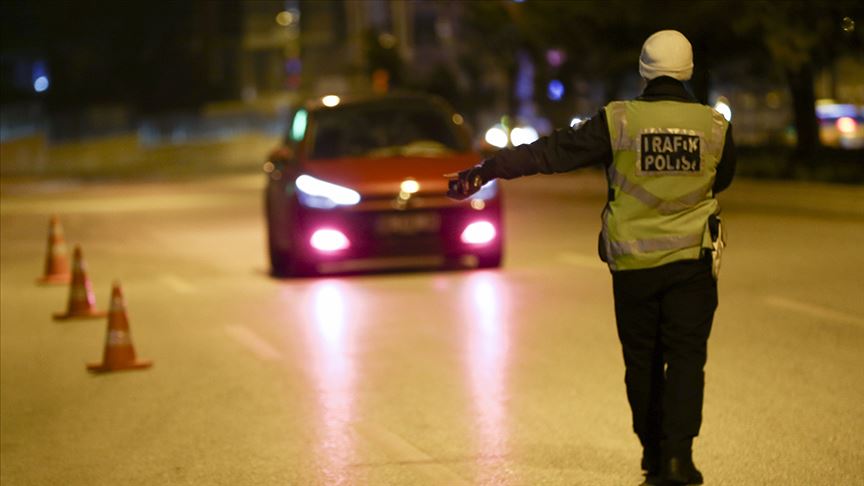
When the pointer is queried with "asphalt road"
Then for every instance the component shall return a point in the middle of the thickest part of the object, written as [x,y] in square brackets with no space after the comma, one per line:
[507,377]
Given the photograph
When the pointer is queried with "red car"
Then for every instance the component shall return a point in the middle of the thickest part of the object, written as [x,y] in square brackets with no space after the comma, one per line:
[358,184]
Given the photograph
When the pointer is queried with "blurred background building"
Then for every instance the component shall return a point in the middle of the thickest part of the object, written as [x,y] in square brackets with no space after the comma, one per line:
[184,72]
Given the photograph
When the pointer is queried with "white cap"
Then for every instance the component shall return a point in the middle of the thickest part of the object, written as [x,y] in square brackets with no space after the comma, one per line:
[666,53]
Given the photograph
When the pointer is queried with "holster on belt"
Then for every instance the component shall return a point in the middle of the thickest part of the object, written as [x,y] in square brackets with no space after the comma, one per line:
[718,243]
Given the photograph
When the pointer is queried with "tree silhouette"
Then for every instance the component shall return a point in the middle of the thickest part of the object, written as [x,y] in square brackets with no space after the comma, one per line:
[791,39]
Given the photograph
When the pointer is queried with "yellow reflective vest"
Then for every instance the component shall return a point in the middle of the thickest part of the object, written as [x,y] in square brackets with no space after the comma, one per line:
[665,156]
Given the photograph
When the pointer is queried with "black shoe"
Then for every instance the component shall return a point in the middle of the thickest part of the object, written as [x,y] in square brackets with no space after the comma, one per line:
[651,461]
[681,471]
[652,480]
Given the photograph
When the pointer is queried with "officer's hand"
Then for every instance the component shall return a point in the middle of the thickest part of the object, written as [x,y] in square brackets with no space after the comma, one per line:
[463,184]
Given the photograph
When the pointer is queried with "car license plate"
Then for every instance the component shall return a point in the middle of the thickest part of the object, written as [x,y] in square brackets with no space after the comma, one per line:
[407,224]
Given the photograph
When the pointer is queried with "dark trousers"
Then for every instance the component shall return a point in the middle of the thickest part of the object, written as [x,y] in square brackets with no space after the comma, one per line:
[664,318]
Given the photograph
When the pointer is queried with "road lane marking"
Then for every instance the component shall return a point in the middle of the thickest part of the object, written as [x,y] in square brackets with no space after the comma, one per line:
[404,453]
[178,284]
[813,310]
[254,343]
[580,260]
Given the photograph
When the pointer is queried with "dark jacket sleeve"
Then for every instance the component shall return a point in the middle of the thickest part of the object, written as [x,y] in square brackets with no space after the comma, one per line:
[563,150]
[726,166]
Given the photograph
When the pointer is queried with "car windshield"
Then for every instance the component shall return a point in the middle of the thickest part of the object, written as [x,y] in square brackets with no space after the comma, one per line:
[376,130]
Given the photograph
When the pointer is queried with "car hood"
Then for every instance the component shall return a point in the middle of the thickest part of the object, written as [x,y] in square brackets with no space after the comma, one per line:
[383,175]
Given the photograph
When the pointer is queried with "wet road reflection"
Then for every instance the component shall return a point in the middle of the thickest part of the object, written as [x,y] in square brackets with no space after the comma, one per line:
[487,343]
[482,330]
[330,339]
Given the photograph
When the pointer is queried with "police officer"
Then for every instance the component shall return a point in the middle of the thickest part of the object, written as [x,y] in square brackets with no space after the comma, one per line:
[666,157]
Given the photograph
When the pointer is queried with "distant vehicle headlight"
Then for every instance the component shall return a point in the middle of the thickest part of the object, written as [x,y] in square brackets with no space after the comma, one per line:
[320,194]
[846,125]
[722,106]
[496,136]
[523,135]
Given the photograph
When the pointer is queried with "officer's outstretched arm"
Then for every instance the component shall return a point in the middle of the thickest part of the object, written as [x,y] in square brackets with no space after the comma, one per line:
[465,183]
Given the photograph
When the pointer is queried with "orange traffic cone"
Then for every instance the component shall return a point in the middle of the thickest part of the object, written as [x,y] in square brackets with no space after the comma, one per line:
[82,301]
[119,353]
[56,261]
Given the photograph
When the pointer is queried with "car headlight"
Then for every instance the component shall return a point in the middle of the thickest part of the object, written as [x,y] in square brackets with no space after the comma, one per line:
[487,192]
[320,194]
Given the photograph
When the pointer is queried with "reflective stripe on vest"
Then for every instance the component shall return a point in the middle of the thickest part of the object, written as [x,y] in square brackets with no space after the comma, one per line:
[655,244]
[665,155]
[662,206]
